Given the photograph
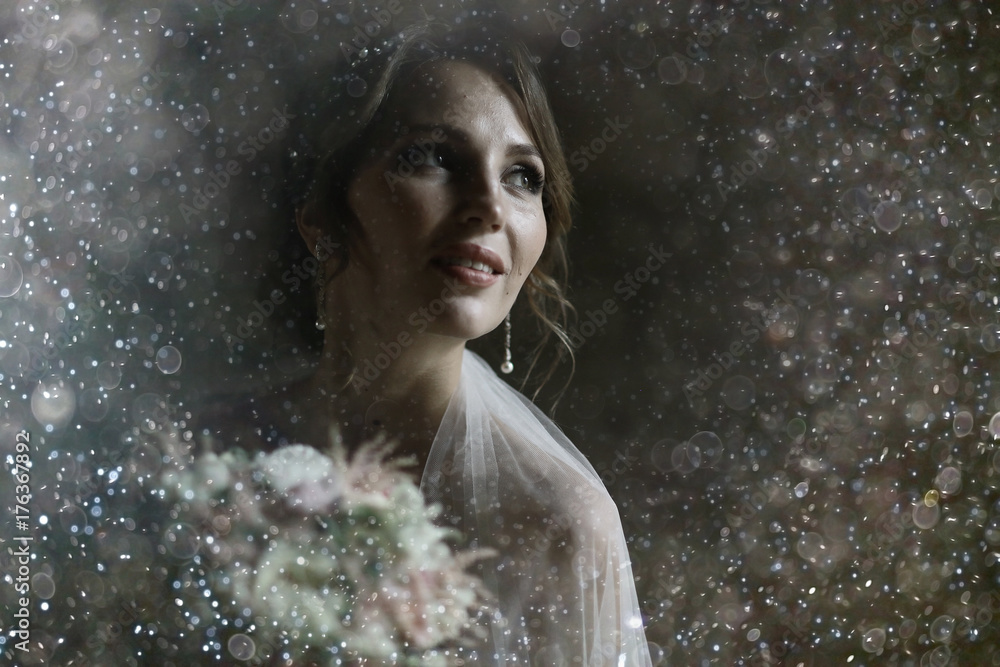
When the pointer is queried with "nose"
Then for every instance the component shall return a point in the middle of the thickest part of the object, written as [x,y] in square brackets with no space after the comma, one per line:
[481,199]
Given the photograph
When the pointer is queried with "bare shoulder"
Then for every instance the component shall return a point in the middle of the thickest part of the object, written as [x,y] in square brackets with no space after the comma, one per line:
[555,492]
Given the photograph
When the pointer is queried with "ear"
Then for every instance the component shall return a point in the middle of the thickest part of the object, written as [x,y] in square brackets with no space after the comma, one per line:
[308,228]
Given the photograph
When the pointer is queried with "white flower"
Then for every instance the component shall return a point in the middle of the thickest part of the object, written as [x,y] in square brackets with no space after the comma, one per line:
[214,471]
[309,481]
[296,585]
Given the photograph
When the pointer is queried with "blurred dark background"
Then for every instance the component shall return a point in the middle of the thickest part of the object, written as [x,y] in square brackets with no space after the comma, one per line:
[797,413]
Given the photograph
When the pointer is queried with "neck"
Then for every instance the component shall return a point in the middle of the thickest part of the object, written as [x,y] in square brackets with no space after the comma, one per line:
[402,390]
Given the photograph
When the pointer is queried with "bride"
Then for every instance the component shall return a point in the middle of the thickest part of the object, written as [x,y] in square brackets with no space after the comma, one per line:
[440,201]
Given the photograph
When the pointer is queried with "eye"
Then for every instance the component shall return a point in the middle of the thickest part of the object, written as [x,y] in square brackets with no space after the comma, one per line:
[424,154]
[435,158]
[525,177]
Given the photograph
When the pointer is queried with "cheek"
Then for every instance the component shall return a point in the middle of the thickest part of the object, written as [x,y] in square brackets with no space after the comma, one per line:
[535,243]
[375,212]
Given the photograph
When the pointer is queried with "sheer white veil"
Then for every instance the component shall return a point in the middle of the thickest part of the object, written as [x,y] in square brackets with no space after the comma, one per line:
[511,481]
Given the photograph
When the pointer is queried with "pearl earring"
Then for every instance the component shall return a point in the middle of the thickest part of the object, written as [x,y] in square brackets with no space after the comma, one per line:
[321,287]
[507,366]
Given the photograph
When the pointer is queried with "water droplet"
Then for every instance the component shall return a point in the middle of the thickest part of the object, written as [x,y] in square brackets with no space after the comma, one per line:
[979,194]
[963,423]
[939,657]
[925,37]
[796,428]
[812,283]
[989,338]
[925,516]
[43,586]
[738,392]
[782,70]
[109,374]
[873,640]
[856,205]
[636,51]
[994,427]
[72,519]
[942,628]
[168,359]
[241,646]
[194,118]
[709,447]
[685,458]
[93,404]
[181,540]
[887,216]
[672,70]
[11,276]
[53,402]
[963,258]
[60,53]
[357,87]
[662,455]
[145,460]
[150,410]
[822,41]
[949,481]
[811,547]
[570,38]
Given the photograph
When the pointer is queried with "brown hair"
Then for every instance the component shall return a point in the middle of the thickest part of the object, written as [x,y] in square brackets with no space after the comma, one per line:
[345,142]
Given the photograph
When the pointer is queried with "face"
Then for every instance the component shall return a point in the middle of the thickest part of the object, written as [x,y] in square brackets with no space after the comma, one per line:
[450,206]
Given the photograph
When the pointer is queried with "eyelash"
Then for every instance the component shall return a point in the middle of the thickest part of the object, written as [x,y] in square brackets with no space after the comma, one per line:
[536,182]
[535,179]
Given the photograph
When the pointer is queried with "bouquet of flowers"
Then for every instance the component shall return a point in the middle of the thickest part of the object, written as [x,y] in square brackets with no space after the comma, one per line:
[298,556]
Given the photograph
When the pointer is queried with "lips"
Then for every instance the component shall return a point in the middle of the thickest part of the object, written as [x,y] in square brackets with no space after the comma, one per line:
[470,263]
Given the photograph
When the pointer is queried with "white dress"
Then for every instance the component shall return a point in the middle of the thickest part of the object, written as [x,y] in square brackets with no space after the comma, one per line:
[511,481]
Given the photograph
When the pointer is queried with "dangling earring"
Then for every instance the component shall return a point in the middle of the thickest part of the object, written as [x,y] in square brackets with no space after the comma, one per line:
[321,288]
[507,366]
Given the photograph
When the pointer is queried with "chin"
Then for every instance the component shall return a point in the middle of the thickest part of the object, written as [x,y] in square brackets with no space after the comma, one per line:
[466,325]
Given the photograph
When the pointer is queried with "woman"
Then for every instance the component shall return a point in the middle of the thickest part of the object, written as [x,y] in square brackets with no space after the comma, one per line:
[439,202]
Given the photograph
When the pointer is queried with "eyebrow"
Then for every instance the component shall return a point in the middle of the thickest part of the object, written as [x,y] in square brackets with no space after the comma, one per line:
[514,150]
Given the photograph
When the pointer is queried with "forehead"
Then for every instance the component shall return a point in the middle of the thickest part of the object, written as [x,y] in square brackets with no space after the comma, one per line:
[457,92]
